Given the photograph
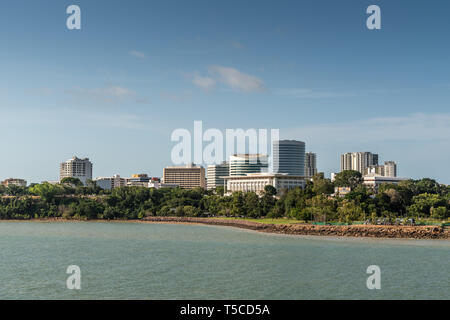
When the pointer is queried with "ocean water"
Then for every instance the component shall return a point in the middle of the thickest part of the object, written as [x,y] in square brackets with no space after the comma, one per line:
[171,261]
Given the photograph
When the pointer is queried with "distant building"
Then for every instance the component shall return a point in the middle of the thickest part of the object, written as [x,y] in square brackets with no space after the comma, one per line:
[241,164]
[158,185]
[389,169]
[109,183]
[341,191]
[138,180]
[358,161]
[375,180]
[14,182]
[187,177]
[215,174]
[310,164]
[375,170]
[333,176]
[76,168]
[255,182]
[289,157]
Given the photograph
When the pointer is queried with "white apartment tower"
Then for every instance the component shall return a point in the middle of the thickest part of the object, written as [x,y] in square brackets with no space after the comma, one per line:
[76,168]
[390,169]
[358,161]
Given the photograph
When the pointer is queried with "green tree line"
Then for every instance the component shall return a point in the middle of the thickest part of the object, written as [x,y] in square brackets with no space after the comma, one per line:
[70,199]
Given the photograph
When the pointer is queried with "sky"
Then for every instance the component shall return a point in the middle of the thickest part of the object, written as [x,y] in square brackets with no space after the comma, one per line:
[115,90]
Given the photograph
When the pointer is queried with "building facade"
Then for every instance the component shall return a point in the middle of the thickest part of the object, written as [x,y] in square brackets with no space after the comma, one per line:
[76,168]
[375,180]
[138,180]
[14,182]
[289,157]
[187,177]
[241,164]
[358,161]
[255,182]
[109,183]
[390,169]
[310,164]
[215,174]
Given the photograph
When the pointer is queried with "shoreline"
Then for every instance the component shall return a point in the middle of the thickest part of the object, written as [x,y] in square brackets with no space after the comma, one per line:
[354,231]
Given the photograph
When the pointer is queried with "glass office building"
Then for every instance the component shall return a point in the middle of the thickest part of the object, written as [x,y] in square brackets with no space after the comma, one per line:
[241,164]
[289,157]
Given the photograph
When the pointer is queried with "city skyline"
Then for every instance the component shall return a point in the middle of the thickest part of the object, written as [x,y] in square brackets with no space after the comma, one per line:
[118,87]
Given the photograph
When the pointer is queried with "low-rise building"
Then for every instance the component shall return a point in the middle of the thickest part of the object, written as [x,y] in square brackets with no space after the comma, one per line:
[255,182]
[138,180]
[158,185]
[375,180]
[341,191]
[109,183]
[14,182]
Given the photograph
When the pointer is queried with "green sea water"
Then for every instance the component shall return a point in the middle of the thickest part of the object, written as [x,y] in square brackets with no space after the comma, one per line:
[169,261]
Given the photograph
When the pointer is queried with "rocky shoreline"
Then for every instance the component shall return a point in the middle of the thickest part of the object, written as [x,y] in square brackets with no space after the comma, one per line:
[371,231]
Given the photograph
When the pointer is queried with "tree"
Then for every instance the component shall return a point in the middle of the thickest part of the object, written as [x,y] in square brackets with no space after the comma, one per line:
[322,207]
[270,190]
[46,191]
[251,204]
[220,190]
[348,178]
[71,181]
[322,185]
[349,211]
[440,213]
[423,203]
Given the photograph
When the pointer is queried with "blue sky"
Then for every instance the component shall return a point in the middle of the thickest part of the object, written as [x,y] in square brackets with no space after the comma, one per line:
[137,70]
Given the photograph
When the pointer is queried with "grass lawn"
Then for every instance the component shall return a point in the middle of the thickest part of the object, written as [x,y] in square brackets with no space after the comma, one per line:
[264,220]
[292,221]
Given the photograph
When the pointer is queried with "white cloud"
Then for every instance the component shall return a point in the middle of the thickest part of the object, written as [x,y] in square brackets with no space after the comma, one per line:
[231,78]
[237,80]
[306,93]
[138,54]
[206,83]
[109,94]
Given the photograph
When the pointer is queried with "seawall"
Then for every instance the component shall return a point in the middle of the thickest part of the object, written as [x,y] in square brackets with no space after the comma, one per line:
[372,231]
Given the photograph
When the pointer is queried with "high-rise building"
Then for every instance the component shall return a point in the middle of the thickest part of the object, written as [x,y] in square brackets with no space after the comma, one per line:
[215,174]
[187,177]
[241,164]
[310,164]
[358,161]
[289,157]
[76,168]
[390,169]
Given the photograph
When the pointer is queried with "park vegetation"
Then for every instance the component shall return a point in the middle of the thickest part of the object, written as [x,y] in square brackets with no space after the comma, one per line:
[70,199]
